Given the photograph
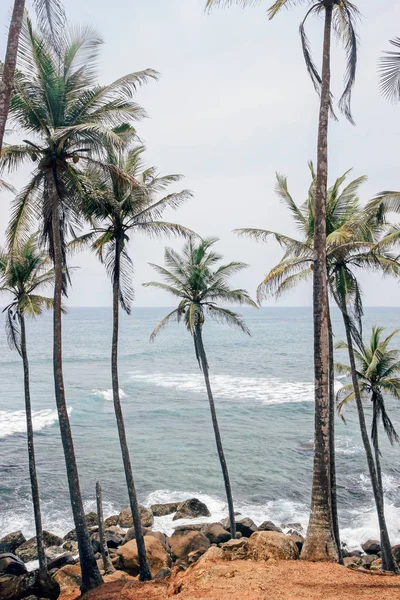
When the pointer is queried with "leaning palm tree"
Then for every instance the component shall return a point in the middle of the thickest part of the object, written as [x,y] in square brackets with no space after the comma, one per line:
[339,16]
[24,273]
[378,370]
[123,202]
[350,245]
[201,285]
[70,119]
[389,71]
[51,17]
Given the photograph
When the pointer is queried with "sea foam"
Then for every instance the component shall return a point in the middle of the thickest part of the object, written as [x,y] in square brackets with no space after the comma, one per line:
[108,394]
[12,422]
[268,390]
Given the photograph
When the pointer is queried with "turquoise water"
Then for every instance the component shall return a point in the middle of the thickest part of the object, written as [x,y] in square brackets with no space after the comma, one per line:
[263,387]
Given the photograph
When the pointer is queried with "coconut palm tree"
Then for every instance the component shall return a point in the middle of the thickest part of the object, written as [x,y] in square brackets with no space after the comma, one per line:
[118,208]
[339,16]
[24,273]
[378,368]
[351,244]
[51,17]
[70,119]
[389,71]
[201,285]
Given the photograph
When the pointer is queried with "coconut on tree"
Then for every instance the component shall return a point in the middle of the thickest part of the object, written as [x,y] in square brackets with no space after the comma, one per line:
[202,287]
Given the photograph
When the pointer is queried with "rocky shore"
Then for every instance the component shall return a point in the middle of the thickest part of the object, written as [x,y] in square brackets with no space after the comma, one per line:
[166,554]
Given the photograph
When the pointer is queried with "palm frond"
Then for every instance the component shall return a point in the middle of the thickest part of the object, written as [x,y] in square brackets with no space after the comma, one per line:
[389,72]
[172,316]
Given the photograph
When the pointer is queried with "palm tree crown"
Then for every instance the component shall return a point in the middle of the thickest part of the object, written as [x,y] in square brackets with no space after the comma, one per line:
[378,372]
[70,118]
[195,278]
[24,272]
[344,15]
[389,71]
[122,200]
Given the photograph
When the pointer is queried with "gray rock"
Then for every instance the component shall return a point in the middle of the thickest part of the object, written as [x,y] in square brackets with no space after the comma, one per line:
[163,573]
[396,552]
[217,534]
[71,547]
[296,526]
[160,510]
[368,559]
[63,559]
[192,527]
[111,521]
[126,520]
[130,535]
[113,540]
[269,526]
[11,564]
[353,562]
[371,547]
[28,551]
[191,509]
[244,526]
[11,541]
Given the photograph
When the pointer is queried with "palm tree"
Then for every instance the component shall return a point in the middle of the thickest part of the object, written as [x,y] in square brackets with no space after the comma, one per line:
[377,370]
[389,71]
[116,208]
[23,274]
[352,233]
[339,16]
[51,16]
[195,279]
[71,118]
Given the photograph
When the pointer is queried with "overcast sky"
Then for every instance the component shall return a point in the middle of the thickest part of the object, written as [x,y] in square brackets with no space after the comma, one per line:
[233,106]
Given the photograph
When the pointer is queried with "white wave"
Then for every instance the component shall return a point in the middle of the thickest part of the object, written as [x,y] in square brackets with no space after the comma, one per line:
[108,394]
[271,390]
[364,525]
[12,422]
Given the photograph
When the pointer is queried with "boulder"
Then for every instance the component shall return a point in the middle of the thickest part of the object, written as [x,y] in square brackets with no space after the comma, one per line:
[396,552]
[161,510]
[28,551]
[111,521]
[53,552]
[69,579]
[71,547]
[130,535]
[26,586]
[193,527]
[157,556]
[11,541]
[115,529]
[244,526]
[11,565]
[235,549]
[91,519]
[298,540]
[60,561]
[113,540]
[163,573]
[217,534]
[118,576]
[91,522]
[264,545]
[191,509]
[146,517]
[269,526]
[376,565]
[354,553]
[368,559]
[371,547]
[213,554]
[353,562]
[182,543]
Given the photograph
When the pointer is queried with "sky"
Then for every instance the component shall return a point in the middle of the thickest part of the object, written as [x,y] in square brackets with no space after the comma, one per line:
[233,106]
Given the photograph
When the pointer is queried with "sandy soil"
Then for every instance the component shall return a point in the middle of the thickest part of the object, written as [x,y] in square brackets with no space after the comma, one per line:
[248,580]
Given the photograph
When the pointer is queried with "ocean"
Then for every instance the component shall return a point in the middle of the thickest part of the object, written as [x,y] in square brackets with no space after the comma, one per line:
[263,387]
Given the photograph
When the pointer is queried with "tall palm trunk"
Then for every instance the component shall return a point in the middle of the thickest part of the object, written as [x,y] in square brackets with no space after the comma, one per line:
[145,573]
[107,564]
[376,445]
[320,543]
[31,456]
[332,451]
[198,340]
[6,84]
[91,577]
[388,562]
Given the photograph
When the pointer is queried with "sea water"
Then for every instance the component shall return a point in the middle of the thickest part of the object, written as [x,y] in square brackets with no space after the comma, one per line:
[263,387]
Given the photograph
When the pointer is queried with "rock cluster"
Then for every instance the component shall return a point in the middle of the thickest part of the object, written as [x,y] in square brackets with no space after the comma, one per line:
[187,544]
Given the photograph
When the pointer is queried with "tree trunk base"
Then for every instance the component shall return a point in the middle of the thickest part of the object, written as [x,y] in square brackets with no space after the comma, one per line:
[319,548]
